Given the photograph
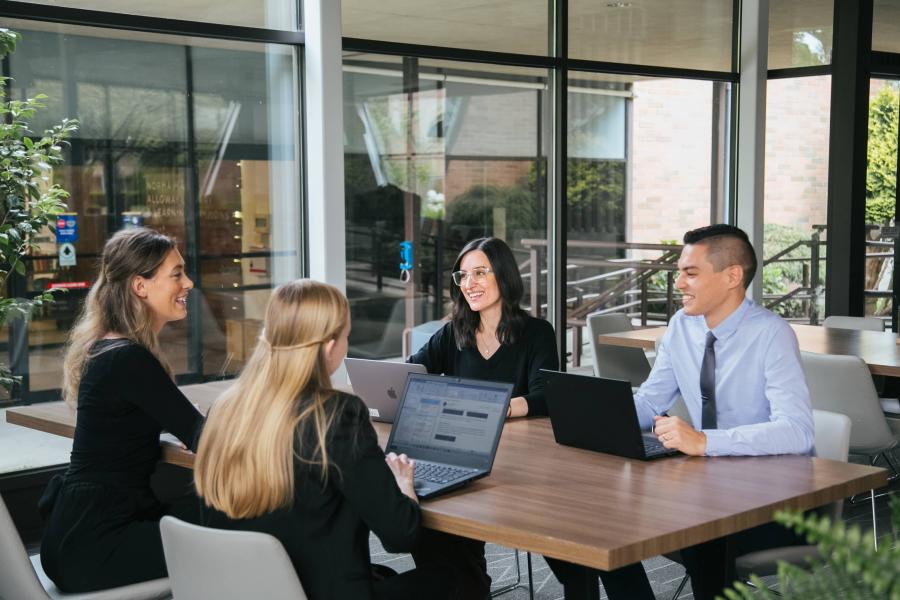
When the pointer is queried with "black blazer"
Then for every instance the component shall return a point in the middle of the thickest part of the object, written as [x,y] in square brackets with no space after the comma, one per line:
[326,531]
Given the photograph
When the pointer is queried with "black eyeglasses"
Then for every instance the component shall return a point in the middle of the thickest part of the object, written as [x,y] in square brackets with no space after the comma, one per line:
[478,275]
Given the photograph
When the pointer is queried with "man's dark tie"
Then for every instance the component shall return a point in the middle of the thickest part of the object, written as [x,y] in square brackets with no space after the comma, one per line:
[708,383]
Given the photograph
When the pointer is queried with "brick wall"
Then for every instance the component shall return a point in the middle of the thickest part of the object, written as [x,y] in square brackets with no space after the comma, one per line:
[796,183]
[671,158]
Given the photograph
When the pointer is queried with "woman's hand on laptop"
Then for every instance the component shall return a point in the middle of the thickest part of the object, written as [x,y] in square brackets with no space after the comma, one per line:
[404,470]
[676,433]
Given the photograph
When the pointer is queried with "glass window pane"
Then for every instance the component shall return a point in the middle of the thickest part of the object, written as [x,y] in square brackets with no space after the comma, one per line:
[692,34]
[518,26]
[193,137]
[796,192]
[641,172]
[886,26]
[881,195]
[800,33]
[266,14]
[460,157]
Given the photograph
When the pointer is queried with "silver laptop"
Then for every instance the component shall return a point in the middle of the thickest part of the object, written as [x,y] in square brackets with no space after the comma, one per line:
[451,427]
[379,383]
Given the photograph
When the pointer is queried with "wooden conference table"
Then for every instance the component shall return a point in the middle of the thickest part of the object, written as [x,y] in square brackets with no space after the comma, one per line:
[593,509]
[879,349]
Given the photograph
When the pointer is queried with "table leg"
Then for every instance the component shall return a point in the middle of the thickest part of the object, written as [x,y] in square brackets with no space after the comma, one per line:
[582,583]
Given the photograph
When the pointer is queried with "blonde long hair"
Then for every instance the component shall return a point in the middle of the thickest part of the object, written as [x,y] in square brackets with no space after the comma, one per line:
[244,464]
[111,306]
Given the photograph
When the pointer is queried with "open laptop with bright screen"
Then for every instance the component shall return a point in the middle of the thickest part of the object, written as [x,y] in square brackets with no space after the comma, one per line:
[451,427]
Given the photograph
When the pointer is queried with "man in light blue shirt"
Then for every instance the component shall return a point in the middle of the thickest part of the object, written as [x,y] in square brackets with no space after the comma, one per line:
[738,368]
[761,399]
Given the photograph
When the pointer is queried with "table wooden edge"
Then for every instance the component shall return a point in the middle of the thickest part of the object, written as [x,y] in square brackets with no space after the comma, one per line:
[586,555]
[607,560]
[629,339]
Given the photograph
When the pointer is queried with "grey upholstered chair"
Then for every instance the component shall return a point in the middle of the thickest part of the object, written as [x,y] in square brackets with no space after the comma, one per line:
[864,323]
[832,442]
[616,362]
[843,384]
[227,565]
[22,578]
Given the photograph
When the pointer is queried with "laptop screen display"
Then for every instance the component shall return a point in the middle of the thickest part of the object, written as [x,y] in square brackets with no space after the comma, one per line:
[444,417]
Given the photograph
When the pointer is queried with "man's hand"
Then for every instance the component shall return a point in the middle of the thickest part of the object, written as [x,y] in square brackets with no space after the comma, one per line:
[676,433]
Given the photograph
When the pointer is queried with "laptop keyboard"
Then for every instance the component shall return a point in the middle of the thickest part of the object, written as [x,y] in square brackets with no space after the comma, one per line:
[652,445]
[436,473]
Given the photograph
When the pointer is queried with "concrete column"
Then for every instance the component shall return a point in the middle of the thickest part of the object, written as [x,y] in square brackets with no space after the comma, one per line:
[754,55]
[326,252]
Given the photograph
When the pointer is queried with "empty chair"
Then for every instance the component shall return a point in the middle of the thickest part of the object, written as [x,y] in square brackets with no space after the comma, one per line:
[227,565]
[832,442]
[22,578]
[616,362]
[843,384]
[865,323]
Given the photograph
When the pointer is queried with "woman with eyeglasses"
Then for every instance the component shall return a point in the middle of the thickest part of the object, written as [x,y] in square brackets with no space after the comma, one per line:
[488,337]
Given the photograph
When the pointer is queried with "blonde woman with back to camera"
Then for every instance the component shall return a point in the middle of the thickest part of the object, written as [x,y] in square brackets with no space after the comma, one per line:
[103,526]
[286,454]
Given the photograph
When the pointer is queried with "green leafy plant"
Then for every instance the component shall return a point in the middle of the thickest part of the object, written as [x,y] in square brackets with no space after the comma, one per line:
[29,201]
[848,567]
[881,174]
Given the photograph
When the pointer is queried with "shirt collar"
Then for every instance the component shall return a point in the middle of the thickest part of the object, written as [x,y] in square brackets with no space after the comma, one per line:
[726,328]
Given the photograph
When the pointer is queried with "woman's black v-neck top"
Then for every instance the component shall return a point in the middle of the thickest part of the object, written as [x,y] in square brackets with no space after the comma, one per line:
[125,400]
[518,363]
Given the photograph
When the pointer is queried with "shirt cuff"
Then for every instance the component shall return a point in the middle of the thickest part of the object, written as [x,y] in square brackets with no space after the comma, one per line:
[717,442]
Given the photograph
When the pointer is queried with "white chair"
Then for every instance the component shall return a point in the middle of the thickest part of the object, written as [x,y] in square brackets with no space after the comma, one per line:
[843,384]
[22,578]
[616,362]
[832,442]
[864,323]
[208,563]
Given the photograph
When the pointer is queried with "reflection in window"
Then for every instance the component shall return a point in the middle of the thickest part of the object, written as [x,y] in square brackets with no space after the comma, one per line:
[642,171]
[194,140]
[800,33]
[691,34]
[454,154]
[267,14]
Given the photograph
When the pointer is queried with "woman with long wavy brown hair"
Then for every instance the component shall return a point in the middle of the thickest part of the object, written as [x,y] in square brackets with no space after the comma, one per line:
[103,526]
[285,453]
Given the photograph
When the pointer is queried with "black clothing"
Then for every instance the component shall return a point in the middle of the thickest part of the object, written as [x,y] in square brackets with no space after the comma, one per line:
[103,527]
[326,530]
[518,363]
[711,565]
[580,583]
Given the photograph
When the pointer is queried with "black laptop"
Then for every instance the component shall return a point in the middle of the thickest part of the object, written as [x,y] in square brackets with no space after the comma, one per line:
[451,427]
[598,414]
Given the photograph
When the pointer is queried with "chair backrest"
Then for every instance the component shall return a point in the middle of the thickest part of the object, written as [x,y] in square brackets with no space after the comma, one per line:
[832,442]
[227,565]
[832,435]
[866,323]
[17,577]
[616,362]
[843,384]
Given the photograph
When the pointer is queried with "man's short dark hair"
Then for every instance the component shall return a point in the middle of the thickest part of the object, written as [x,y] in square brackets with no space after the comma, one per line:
[727,245]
